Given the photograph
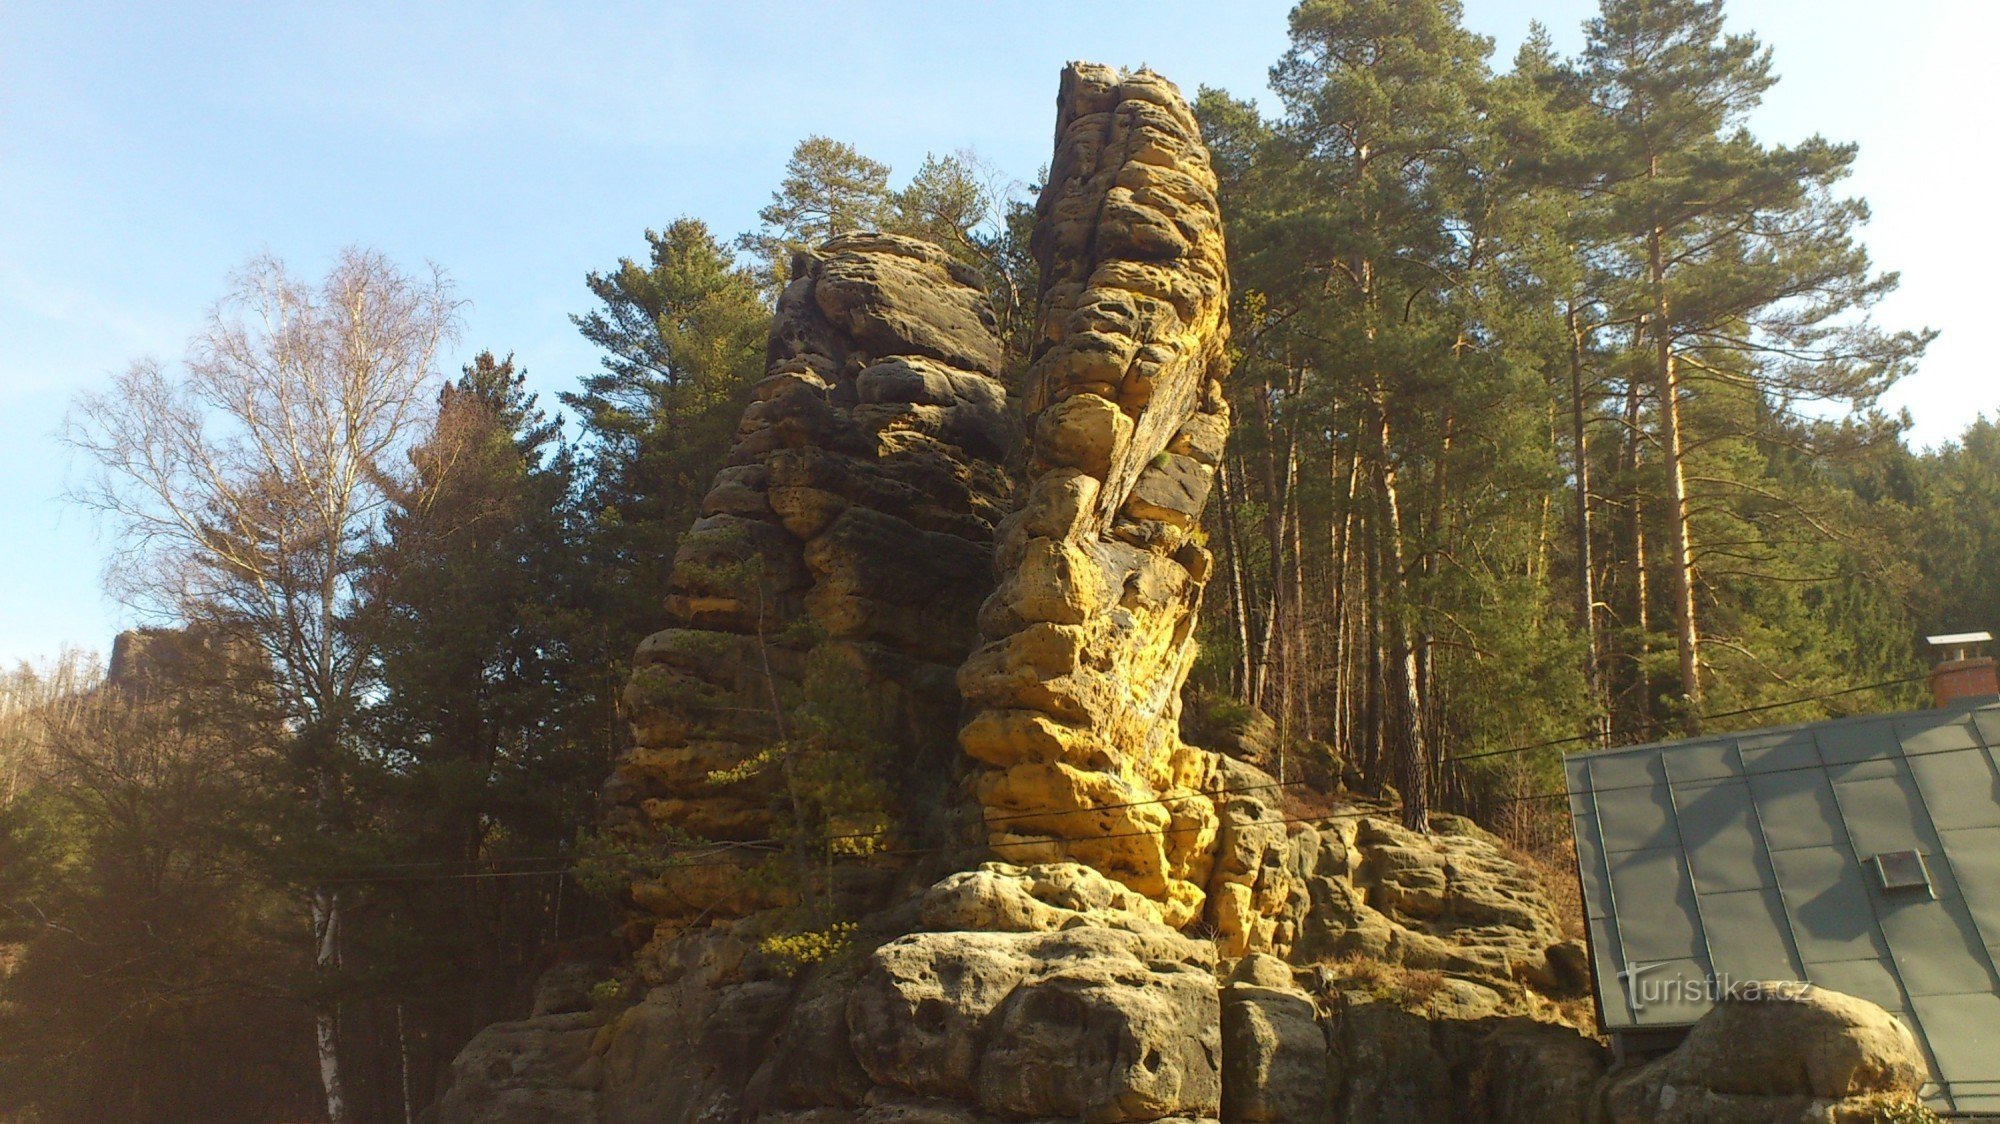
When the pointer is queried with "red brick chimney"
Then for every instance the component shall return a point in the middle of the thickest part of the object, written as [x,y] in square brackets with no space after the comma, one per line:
[1962,671]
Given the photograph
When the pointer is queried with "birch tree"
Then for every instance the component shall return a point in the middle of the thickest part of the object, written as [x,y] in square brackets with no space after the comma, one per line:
[243,486]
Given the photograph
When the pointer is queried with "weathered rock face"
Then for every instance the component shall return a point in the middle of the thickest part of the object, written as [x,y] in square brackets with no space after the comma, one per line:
[1024,994]
[1064,1007]
[1090,1023]
[534,1071]
[1075,696]
[1051,992]
[1366,888]
[844,551]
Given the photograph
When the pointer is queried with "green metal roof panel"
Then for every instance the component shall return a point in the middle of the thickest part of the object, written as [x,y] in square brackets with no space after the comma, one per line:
[1935,948]
[1869,979]
[1936,734]
[1964,1034]
[1796,808]
[1987,722]
[1655,911]
[1843,743]
[1826,904]
[1975,859]
[1747,929]
[1719,829]
[1776,752]
[1883,814]
[1755,856]
[1961,789]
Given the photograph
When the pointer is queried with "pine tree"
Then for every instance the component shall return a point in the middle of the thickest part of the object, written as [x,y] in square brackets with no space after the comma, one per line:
[1738,258]
[488,734]
[683,336]
[829,188]
[1350,310]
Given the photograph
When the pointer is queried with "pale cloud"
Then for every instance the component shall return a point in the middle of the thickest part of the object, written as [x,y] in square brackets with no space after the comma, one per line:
[81,333]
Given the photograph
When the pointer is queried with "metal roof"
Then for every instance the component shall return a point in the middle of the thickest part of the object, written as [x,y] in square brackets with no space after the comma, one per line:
[1786,854]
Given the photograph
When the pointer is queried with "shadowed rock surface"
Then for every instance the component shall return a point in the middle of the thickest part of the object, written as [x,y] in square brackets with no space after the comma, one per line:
[845,549]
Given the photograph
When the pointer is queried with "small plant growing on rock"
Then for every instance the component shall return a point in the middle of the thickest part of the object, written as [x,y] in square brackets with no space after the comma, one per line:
[1907,1110]
[606,994]
[791,953]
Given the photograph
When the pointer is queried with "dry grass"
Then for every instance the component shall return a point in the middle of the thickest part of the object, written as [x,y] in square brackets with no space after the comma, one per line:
[1305,802]
[1555,864]
[1419,985]
[1410,988]
[1581,1014]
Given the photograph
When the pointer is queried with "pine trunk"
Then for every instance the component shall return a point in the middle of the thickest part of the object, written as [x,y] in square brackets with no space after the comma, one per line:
[1277,510]
[1343,543]
[1373,721]
[1640,690]
[1239,601]
[1586,587]
[1413,762]
[1687,638]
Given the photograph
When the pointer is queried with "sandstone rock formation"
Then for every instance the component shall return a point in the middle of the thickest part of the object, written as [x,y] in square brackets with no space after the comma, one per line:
[1366,888]
[1064,1007]
[1051,993]
[1357,971]
[1089,637]
[844,551]
[1349,1054]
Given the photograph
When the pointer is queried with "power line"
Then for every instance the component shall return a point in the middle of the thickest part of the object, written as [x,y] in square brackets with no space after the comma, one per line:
[907,852]
[1720,714]
[712,849]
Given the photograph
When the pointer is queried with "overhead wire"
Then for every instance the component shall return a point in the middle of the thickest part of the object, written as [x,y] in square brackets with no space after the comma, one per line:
[712,849]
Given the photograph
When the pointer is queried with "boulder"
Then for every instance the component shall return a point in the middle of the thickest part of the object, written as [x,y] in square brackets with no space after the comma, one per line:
[1275,1063]
[1086,1023]
[530,1072]
[1777,1052]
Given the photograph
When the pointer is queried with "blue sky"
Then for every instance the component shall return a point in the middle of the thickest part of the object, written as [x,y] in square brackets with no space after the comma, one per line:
[146,151]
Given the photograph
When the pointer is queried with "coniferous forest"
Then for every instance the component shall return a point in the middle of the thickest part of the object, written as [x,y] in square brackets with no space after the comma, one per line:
[1555,400]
